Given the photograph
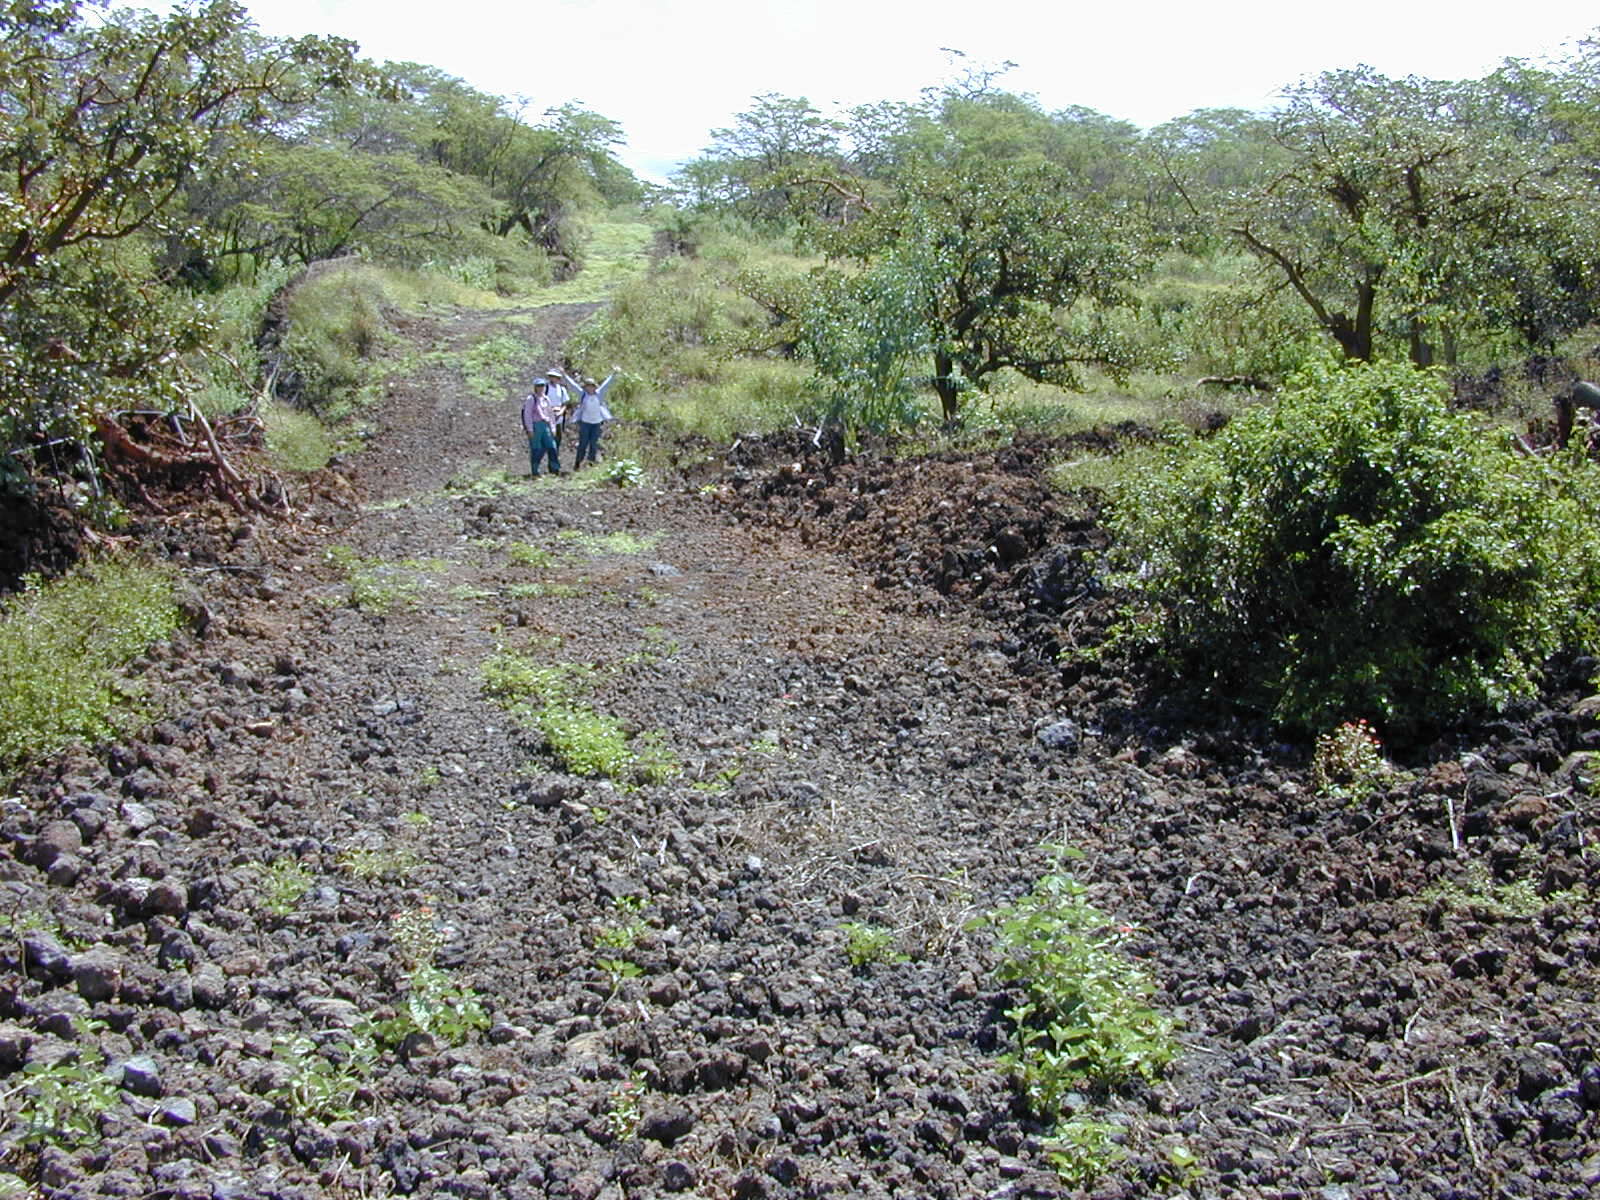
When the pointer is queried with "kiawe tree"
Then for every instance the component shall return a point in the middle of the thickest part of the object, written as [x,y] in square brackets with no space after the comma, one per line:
[106,120]
[1000,267]
[1401,209]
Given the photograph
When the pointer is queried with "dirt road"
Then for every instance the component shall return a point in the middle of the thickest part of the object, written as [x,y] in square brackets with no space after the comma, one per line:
[751,972]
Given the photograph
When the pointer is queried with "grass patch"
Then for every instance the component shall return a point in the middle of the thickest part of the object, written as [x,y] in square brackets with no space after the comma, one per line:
[1479,895]
[500,364]
[63,646]
[620,542]
[283,882]
[296,440]
[547,700]
[615,252]
[377,586]
[543,591]
[337,328]
[525,555]
[488,484]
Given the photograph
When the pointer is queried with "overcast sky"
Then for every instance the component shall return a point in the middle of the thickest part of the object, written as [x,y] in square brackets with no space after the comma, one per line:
[671,72]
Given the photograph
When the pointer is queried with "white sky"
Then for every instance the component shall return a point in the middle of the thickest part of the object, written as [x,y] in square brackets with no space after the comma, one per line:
[670,72]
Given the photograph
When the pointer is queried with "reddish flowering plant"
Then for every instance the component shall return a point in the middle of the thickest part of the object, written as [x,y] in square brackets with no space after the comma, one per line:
[1348,762]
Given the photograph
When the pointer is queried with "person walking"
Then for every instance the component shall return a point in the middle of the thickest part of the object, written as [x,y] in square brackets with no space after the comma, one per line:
[591,414]
[538,421]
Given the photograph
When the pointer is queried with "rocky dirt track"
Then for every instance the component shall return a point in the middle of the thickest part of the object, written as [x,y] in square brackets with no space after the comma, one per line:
[855,666]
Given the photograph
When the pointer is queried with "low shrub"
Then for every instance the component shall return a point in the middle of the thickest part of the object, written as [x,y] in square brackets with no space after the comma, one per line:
[1360,548]
[62,647]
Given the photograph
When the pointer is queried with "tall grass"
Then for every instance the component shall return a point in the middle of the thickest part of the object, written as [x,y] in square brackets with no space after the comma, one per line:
[62,647]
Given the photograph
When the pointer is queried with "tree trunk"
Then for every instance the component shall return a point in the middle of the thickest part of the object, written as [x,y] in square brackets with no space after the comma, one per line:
[1421,348]
[945,386]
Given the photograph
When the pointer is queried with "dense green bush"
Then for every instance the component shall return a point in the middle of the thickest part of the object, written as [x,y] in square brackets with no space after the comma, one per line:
[62,645]
[336,326]
[1359,550]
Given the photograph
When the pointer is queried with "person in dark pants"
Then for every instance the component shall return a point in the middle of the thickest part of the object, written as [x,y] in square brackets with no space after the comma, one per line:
[538,421]
[591,414]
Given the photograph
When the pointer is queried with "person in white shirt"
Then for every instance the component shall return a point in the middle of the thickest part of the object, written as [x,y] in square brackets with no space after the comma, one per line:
[560,401]
[591,414]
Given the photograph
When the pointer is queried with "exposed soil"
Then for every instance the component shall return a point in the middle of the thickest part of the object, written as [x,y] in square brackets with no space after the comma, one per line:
[856,664]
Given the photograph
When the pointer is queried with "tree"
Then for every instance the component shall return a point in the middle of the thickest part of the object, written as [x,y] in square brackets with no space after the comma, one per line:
[111,120]
[1011,267]
[107,121]
[759,164]
[1398,208]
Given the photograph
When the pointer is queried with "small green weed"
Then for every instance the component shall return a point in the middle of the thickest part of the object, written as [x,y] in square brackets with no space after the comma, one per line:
[389,865]
[1348,763]
[487,484]
[653,760]
[624,933]
[586,742]
[1480,895]
[620,542]
[511,679]
[619,971]
[324,1081]
[622,472]
[434,1004]
[867,944]
[1082,1149]
[377,586]
[544,591]
[625,1110]
[283,882]
[525,555]
[1084,1018]
[58,1104]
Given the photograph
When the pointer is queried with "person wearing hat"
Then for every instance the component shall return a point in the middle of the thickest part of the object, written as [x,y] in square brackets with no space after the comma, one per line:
[538,419]
[560,401]
[591,414]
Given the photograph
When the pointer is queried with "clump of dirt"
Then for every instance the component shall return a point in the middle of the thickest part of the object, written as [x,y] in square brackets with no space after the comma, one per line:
[36,537]
[853,665]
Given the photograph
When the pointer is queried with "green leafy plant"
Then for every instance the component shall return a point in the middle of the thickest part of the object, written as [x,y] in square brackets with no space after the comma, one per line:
[1479,894]
[624,933]
[377,586]
[624,1108]
[1081,1149]
[619,542]
[1084,1017]
[623,472]
[323,1082]
[525,555]
[434,1003]
[1359,547]
[653,760]
[391,864]
[586,742]
[59,1103]
[283,882]
[1348,762]
[63,648]
[867,944]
